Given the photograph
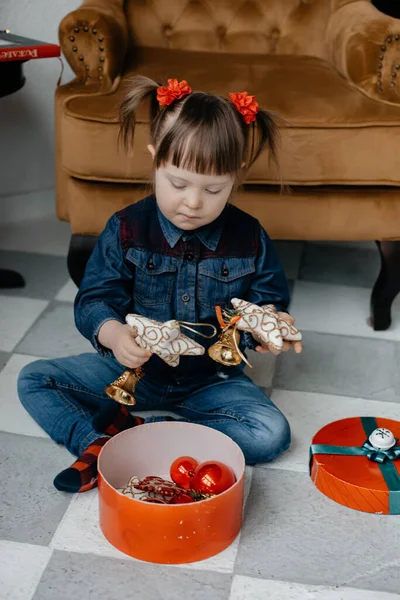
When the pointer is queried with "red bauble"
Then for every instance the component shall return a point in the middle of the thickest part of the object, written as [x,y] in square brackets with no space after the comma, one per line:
[212,477]
[181,499]
[182,470]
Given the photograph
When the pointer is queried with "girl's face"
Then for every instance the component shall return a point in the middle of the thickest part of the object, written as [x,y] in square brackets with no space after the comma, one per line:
[190,200]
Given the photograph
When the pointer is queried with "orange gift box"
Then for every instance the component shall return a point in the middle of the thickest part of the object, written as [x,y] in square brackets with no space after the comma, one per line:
[159,533]
[346,468]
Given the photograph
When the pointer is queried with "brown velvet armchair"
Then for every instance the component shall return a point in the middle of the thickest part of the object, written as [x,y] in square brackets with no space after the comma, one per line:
[330,68]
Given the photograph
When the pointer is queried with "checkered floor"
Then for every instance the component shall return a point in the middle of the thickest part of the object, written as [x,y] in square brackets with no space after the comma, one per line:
[295,543]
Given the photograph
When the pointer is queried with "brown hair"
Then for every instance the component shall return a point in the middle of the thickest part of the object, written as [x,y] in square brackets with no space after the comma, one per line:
[208,135]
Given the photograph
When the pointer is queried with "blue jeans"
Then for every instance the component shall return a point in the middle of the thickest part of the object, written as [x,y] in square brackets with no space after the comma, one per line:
[62,395]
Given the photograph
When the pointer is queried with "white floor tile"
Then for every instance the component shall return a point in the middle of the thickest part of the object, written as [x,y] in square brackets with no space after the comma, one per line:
[21,567]
[308,412]
[54,334]
[46,235]
[247,588]
[67,292]
[38,204]
[16,317]
[339,310]
[13,417]
[83,515]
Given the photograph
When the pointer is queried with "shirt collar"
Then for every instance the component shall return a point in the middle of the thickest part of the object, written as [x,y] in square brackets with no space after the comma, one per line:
[208,235]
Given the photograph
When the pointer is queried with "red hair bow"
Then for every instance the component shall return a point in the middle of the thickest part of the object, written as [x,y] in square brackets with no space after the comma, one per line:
[246,105]
[175,91]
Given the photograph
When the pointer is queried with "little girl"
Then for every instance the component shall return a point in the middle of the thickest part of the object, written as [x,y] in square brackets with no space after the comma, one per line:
[177,254]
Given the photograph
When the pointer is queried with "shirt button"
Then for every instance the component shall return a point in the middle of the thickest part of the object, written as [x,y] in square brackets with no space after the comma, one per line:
[188,256]
[186,297]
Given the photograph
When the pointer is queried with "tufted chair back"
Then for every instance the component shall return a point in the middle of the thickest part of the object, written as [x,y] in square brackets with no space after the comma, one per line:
[330,68]
[232,26]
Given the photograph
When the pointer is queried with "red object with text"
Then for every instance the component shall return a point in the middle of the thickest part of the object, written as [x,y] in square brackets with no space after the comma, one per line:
[15,47]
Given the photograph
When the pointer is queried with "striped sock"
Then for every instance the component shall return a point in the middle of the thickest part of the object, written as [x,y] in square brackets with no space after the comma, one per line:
[114,418]
[82,474]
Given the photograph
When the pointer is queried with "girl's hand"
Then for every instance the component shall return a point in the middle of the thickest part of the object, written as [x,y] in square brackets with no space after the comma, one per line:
[120,339]
[297,346]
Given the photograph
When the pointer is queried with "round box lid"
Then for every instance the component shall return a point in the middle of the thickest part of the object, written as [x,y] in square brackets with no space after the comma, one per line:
[356,462]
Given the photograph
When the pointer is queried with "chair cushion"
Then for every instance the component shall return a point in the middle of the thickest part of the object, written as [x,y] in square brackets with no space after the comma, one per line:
[332,133]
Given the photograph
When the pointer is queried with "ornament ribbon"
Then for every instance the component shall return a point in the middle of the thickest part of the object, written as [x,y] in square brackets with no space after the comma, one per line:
[384,459]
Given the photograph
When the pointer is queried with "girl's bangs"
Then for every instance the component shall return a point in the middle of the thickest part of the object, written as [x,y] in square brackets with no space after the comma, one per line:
[203,141]
[206,154]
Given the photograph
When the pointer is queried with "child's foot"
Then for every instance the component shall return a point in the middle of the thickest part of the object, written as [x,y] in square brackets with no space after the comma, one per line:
[82,474]
[114,418]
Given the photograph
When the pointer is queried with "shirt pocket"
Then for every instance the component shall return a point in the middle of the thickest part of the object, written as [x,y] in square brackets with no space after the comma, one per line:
[154,276]
[220,280]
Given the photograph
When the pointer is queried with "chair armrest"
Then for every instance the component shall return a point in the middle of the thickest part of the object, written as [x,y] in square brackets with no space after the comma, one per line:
[94,40]
[364,46]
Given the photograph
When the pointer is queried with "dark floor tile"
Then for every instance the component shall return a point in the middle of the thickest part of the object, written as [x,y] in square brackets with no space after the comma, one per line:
[71,575]
[291,286]
[30,507]
[44,274]
[290,254]
[385,579]
[343,366]
[292,532]
[340,265]
[4,358]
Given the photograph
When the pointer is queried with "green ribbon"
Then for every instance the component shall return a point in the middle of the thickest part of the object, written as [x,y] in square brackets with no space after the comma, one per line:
[384,459]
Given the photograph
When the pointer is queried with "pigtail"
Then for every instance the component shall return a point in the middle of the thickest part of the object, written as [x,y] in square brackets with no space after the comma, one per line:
[264,133]
[140,88]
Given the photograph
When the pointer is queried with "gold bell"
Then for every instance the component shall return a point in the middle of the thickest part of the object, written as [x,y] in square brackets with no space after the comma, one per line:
[225,350]
[122,389]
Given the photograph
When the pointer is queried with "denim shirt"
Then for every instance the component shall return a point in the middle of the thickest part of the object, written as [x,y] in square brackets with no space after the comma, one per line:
[179,275]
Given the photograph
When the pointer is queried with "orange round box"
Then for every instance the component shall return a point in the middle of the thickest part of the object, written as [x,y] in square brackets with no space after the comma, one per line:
[159,533]
[356,481]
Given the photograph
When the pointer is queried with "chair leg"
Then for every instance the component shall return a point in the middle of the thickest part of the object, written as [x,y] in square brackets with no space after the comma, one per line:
[11,279]
[387,286]
[80,249]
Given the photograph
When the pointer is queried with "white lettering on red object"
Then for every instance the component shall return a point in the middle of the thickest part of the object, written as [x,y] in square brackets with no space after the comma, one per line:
[19,54]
